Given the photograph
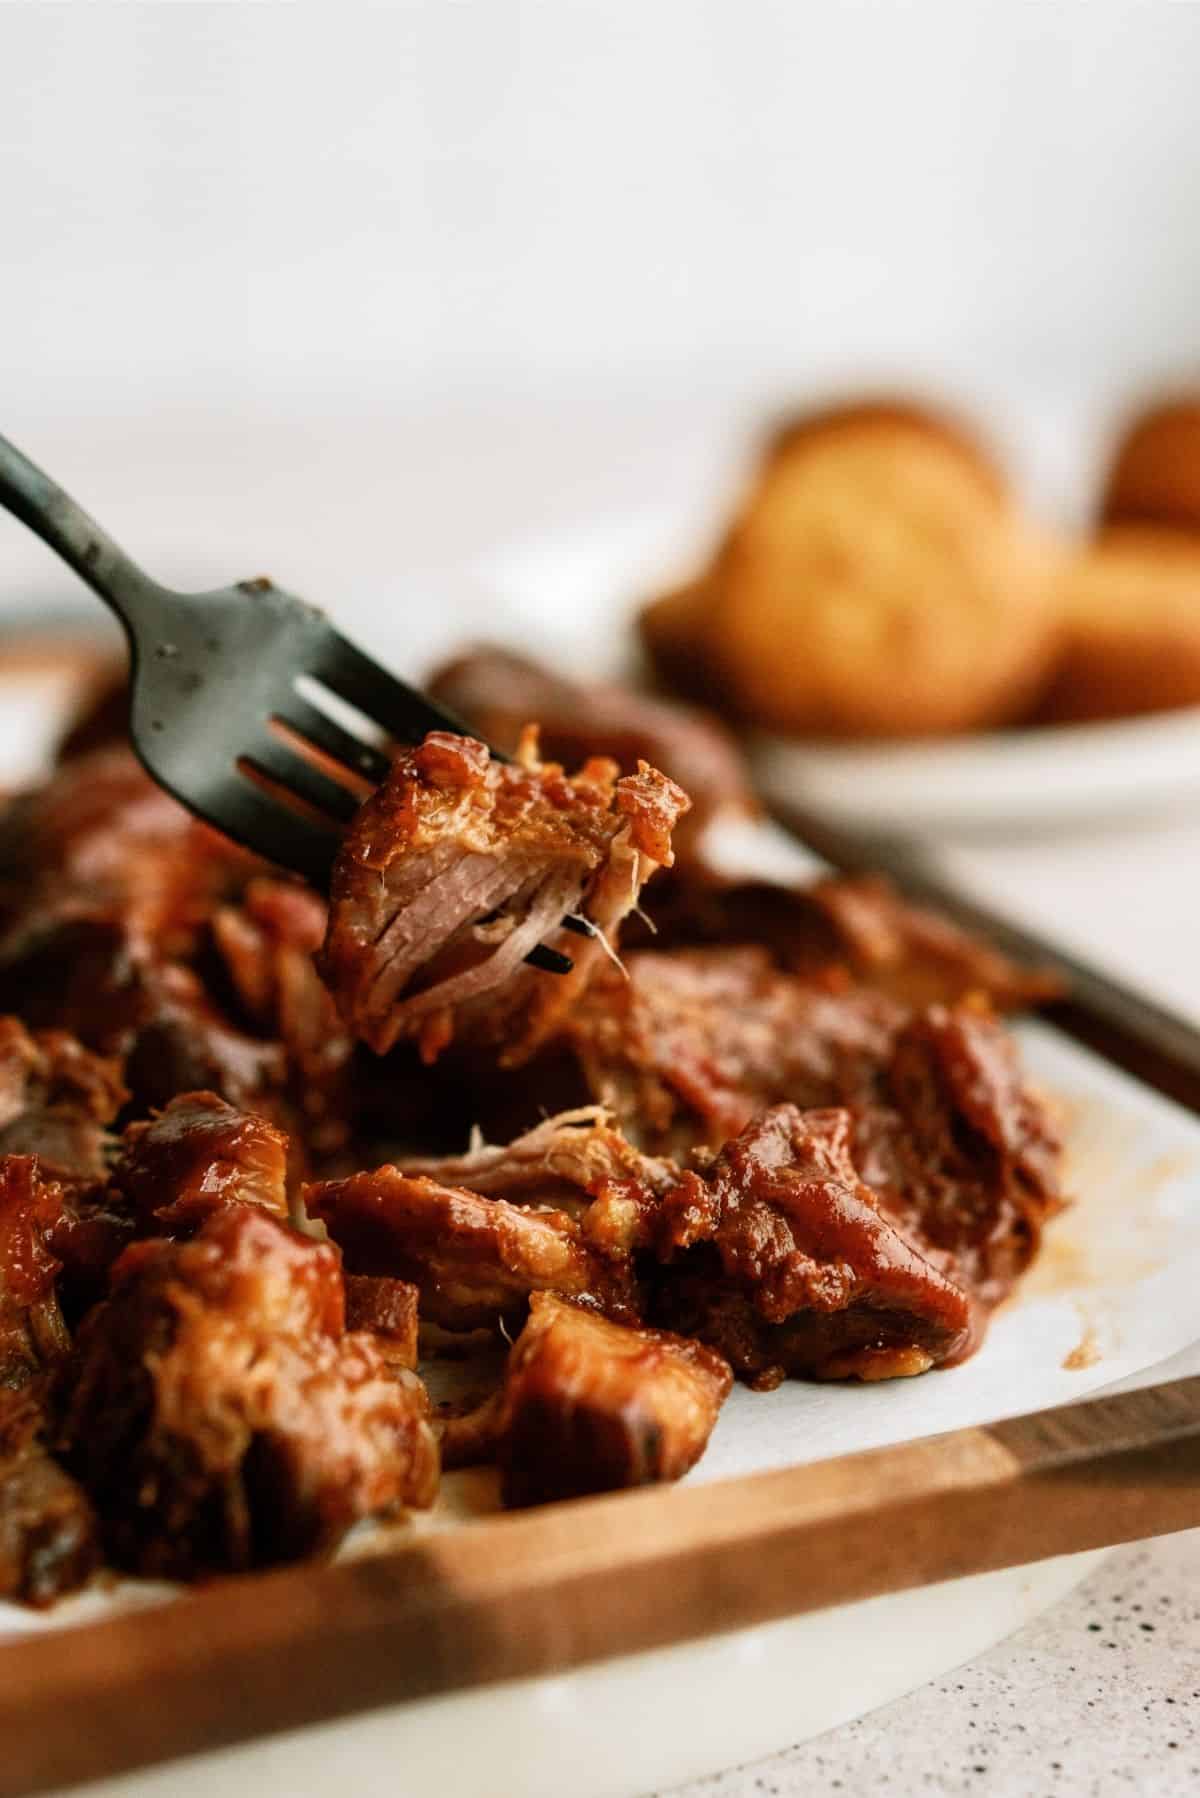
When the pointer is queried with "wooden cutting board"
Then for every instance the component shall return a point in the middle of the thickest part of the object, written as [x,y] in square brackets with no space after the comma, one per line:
[554,1588]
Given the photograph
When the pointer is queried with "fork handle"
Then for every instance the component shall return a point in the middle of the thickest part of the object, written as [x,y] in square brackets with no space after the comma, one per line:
[54,516]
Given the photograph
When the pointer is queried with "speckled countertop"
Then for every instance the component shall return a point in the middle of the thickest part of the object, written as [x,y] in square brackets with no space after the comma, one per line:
[1101,1696]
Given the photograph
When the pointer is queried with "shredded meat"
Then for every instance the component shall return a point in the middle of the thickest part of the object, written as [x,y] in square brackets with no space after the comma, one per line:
[219,1416]
[49,1542]
[498,694]
[961,1148]
[119,997]
[693,1043]
[789,1264]
[566,1161]
[458,866]
[589,1405]
[474,1260]
[944,1127]
[56,1099]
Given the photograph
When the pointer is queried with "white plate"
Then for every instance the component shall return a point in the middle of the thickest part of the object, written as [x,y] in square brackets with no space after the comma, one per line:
[576,593]
[1113,1295]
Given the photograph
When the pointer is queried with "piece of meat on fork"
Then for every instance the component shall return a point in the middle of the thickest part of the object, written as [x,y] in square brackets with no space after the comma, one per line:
[458,865]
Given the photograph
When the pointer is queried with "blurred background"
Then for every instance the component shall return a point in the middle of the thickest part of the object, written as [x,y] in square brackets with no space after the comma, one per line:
[456,315]
[479,212]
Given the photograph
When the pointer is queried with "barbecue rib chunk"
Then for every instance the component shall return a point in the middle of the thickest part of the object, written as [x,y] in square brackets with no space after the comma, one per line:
[220,1417]
[785,1261]
[589,1405]
[458,866]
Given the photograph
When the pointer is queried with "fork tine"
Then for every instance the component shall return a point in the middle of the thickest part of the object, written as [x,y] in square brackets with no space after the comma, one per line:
[343,746]
[551,961]
[248,815]
[404,713]
[288,768]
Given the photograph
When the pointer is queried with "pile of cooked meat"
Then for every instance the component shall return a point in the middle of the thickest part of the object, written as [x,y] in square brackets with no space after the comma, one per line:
[264,1156]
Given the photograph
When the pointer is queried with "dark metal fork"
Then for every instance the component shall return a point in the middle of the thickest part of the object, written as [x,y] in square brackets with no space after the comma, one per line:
[234,695]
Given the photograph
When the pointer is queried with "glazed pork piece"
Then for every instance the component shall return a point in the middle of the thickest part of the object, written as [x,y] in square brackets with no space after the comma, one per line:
[99,836]
[786,1262]
[171,1173]
[220,1417]
[474,1260]
[194,1157]
[589,1405]
[267,941]
[909,951]
[48,1537]
[56,1099]
[459,865]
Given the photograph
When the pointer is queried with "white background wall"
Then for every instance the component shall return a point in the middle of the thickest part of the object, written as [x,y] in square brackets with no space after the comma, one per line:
[249,196]
[343,289]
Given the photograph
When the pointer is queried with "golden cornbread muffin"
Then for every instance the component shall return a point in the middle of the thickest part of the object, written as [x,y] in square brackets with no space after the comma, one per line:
[878,582]
[1131,608]
[1155,476]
